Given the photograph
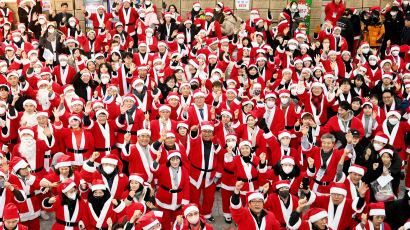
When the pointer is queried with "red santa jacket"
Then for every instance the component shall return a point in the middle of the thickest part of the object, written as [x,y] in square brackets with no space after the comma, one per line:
[245,220]
[396,136]
[321,117]
[335,125]
[128,19]
[244,134]
[137,124]
[100,21]
[282,214]
[333,12]
[94,221]
[213,29]
[157,128]
[65,76]
[194,117]
[138,161]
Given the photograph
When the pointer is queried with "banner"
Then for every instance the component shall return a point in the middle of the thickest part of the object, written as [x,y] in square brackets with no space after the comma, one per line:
[304,7]
[242,4]
[91,7]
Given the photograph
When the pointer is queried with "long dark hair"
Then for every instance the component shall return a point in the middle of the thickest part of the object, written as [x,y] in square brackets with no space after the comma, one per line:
[169,8]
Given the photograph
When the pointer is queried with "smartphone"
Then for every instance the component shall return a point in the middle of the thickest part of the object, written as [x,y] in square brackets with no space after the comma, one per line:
[305,182]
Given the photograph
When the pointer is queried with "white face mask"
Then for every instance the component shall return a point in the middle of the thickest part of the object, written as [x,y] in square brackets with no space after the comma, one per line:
[158,67]
[16,39]
[6,27]
[284,100]
[147,2]
[105,80]
[253,16]
[372,63]
[287,169]
[196,8]
[63,63]
[42,21]
[294,7]
[292,47]
[217,9]
[405,3]
[149,35]
[377,147]
[270,104]
[180,41]
[393,121]
[395,53]
[139,89]
[72,195]
[214,78]
[2,110]
[37,70]
[142,15]
[4,69]
[193,219]
[108,169]
[72,24]
[366,50]
[51,30]
[33,59]
[231,144]
[393,13]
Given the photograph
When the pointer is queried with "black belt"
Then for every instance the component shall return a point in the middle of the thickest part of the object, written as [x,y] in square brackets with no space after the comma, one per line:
[399,150]
[289,127]
[98,28]
[77,151]
[205,170]
[31,195]
[67,224]
[125,131]
[283,225]
[48,156]
[321,183]
[105,149]
[229,172]
[1,219]
[129,24]
[37,170]
[171,190]
[247,180]
[101,228]
[13,141]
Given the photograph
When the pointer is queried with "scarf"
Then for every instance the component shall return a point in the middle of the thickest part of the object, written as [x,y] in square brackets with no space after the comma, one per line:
[98,202]
[317,100]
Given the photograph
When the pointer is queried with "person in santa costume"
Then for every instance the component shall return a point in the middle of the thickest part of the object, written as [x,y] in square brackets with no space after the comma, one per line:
[163,123]
[340,208]
[322,161]
[108,171]
[254,216]
[9,130]
[199,111]
[30,208]
[69,208]
[149,221]
[101,206]
[166,143]
[62,172]
[395,130]
[174,189]
[251,131]
[9,193]
[11,218]
[100,18]
[81,144]
[314,219]
[376,218]
[64,73]
[273,114]
[193,220]
[139,191]
[203,153]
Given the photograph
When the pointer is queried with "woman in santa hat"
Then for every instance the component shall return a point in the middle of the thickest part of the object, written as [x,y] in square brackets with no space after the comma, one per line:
[62,171]
[247,167]
[9,193]
[173,191]
[250,131]
[377,215]
[101,206]
[11,218]
[315,218]
[138,191]
[193,220]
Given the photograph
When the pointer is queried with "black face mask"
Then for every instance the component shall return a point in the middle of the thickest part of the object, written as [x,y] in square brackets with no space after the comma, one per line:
[283,193]
[194,87]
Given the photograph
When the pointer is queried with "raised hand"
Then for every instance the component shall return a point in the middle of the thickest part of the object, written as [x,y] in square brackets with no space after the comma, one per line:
[362,189]
[262,156]
[311,162]
[94,156]
[238,186]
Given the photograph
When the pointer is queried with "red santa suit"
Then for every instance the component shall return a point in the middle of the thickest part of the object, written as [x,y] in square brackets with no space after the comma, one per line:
[193,114]
[64,75]
[257,139]
[319,114]
[100,21]
[335,125]
[274,118]
[128,19]
[139,161]
[62,213]
[396,136]
[157,127]
[11,213]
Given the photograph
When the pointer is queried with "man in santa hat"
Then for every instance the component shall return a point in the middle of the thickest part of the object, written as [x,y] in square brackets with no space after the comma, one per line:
[19,43]
[377,215]
[11,218]
[315,218]
[128,16]
[204,148]
[163,123]
[272,114]
[254,216]
[290,110]
[9,123]
[100,18]
[9,193]
[138,156]
[199,111]
[212,27]
[395,131]
[63,72]
[192,218]
[45,97]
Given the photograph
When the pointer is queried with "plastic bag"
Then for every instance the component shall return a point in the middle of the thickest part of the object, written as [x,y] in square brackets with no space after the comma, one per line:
[382,193]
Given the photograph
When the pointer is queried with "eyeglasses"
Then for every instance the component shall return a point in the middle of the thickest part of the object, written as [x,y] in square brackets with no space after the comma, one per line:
[256,201]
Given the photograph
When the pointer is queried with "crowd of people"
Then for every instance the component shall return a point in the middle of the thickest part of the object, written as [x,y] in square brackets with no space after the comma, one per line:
[143,119]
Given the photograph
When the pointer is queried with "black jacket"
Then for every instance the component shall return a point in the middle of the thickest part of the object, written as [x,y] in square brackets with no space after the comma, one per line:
[162,30]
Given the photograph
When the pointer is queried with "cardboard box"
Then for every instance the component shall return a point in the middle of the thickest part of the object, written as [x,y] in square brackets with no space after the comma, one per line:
[260,4]
[370,3]
[206,3]
[177,3]
[277,4]
[358,4]
[186,5]
[229,3]
[317,3]
[78,4]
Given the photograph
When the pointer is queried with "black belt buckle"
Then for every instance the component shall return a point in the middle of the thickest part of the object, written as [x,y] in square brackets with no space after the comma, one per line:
[108,149]
[76,151]
[249,180]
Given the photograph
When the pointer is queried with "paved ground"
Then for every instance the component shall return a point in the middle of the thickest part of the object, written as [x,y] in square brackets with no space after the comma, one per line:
[217,212]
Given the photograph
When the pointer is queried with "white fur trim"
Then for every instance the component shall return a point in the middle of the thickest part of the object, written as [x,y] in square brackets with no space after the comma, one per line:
[357,170]
[284,134]
[143,131]
[30,101]
[98,187]
[287,160]
[377,212]
[245,143]
[26,131]
[62,164]
[174,154]
[137,178]
[190,209]
[255,195]
[338,191]
[318,216]
[151,225]
[70,186]
[107,160]
[207,127]
[381,139]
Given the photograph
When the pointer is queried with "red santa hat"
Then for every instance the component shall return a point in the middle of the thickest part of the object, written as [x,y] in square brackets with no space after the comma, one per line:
[98,103]
[226,112]
[407,85]
[100,6]
[338,188]
[328,75]
[144,131]
[109,159]
[31,52]
[300,35]
[10,47]
[162,43]
[354,11]
[148,221]
[304,45]
[180,35]
[172,95]
[30,101]
[387,75]
[137,81]
[251,114]
[211,41]
[16,33]
[66,88]
[74,117]
[71,39]
[77,101]
[130,96]
[393,113]
[255,11]
[233,90]
[168,14]
[42,82]
[287,70]
[10,212]
[389,151]
[384,62]
[377,209]
[207,125]
[136,177]
[199,93]
[98,185]
[117,24]
[357,169]
[227,10]
[380,136]
[209,12]
[247,102]
[41,113]
[17,163]
[245,143]
[307,69]
[173,153]
[395,48]
[364,44]
[187,21]
[287,159]
[63,161]
[298,60]
[130,209]
[62,57]
[284,133]
[254,195]
[196,4]
[26,130]
[369,103]
[282,183]
[183,124]
[315,214]
[284,15]
[164,107]
[170,134]
[316,84]
[73,19]
[270,95]
[231,136]
[407,224]
[188,208]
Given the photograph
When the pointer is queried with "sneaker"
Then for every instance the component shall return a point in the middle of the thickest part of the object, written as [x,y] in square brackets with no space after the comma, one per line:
[44,215]
[228,220]
[211,219]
